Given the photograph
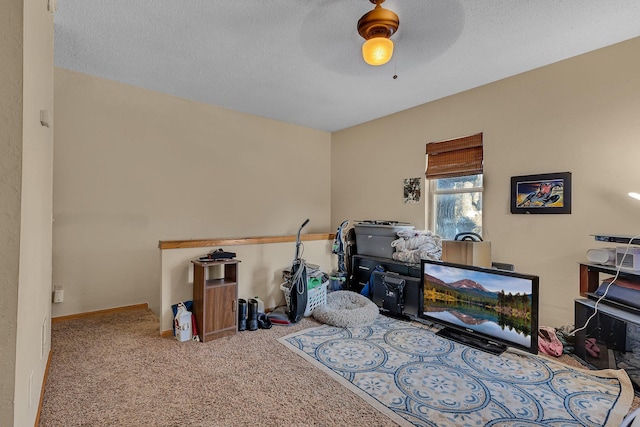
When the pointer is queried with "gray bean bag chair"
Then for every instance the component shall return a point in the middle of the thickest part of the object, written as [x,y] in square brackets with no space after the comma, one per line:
[346,309]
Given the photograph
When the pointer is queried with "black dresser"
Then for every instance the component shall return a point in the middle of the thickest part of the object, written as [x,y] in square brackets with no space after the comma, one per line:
[364,265]
[408,275]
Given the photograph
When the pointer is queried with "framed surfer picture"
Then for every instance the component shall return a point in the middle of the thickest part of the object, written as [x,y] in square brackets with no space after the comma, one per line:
[548,193]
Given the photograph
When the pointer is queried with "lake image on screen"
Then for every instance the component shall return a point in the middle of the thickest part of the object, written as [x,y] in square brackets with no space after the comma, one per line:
[495,305]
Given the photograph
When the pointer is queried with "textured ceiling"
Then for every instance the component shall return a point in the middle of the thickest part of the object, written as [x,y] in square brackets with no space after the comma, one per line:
[298,61]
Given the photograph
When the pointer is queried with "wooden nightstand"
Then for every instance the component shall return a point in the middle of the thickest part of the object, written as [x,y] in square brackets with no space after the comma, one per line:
[215,298]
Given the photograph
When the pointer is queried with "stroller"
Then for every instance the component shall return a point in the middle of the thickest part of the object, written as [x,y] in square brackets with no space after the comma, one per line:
[298,284]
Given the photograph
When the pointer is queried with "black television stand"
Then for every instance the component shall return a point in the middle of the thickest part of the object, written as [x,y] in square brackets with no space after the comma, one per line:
[483,344]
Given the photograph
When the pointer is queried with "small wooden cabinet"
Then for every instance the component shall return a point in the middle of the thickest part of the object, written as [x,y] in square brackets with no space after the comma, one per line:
[215,298]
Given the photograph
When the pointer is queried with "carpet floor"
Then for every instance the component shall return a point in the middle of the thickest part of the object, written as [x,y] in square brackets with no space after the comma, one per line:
[115,370]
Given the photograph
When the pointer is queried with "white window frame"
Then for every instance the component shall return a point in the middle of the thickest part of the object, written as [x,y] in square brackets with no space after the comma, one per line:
[433,192]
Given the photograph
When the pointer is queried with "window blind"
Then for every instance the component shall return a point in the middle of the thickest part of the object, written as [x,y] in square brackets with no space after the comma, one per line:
[454,157]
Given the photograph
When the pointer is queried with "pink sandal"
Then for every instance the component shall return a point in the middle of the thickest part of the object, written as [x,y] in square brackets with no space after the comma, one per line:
[592,348]
[548,342]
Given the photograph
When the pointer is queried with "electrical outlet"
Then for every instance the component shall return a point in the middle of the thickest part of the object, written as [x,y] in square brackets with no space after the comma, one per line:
[58,296]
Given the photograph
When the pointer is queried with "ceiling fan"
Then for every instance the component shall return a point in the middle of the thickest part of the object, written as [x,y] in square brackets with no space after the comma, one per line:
[376,27]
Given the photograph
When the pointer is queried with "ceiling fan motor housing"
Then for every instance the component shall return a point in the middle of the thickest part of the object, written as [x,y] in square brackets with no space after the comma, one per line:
[378,23]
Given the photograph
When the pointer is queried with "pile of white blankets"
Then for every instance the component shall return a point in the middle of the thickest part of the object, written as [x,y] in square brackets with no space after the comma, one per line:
[414,245]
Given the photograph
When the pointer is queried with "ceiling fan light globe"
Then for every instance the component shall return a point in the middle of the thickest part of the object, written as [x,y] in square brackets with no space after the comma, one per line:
[377,50]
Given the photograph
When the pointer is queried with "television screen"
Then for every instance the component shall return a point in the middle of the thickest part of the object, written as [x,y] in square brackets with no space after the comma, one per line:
[488,308]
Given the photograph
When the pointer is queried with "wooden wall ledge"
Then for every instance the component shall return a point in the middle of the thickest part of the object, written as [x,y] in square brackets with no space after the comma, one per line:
[202,243]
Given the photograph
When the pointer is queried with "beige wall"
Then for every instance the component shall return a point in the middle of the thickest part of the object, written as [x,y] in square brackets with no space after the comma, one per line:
[34,296]
[26,160]
[11,49]
[133,167]
[579,115]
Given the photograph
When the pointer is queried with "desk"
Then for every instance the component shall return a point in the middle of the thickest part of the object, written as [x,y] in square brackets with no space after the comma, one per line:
[590,276]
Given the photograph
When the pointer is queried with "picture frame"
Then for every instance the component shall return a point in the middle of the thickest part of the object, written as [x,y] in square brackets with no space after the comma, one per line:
[548,193]
[411,190]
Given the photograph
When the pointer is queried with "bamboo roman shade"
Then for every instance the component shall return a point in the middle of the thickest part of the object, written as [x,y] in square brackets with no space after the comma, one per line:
[455,157]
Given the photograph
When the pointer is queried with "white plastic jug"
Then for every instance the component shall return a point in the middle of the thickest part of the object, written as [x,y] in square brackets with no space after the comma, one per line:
[182,324]
[260,304]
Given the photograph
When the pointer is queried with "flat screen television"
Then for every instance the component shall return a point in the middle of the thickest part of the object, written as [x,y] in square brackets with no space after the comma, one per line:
[485,308]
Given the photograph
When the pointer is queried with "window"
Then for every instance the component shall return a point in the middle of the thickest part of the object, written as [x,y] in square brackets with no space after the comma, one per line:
[456,205]
[454,171]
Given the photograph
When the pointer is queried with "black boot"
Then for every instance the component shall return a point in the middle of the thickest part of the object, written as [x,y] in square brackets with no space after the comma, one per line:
[242,314]
[252,318]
